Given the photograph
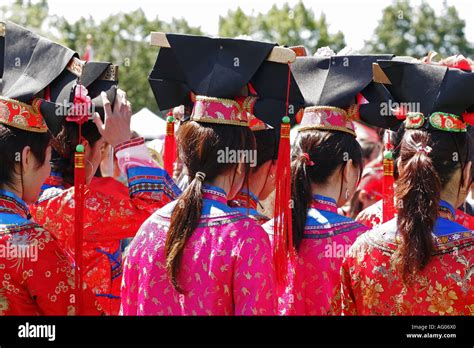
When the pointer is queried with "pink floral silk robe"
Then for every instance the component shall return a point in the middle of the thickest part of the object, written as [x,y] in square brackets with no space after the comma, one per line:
[313,286]
[226,267]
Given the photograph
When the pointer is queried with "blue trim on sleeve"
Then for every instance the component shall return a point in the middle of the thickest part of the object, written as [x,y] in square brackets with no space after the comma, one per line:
[159,177]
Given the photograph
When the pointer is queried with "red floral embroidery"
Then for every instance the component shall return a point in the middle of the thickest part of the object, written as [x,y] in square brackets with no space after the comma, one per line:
[23,116]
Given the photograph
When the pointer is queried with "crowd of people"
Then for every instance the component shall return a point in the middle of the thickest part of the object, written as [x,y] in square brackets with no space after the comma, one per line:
[367,211]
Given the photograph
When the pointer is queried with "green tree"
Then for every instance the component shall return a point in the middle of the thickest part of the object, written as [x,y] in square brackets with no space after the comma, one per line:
[122,39]
[287,25]
[26,13]
[414,31]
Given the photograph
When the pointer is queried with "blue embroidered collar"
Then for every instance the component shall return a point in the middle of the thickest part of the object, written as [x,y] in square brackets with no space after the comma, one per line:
[11,203]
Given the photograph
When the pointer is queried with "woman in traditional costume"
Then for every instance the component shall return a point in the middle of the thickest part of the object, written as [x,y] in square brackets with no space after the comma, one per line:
[325,170]
[197,255]
[38,275]
[270,82]
[108,218]
[420,262]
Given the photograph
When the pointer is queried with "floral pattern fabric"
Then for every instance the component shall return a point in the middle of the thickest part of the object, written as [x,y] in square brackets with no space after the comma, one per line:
[371,284]
[36,274]
[109,218]
[226,266]
[313,285]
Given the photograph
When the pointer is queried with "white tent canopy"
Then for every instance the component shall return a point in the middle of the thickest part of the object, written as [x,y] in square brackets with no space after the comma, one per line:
[148,124]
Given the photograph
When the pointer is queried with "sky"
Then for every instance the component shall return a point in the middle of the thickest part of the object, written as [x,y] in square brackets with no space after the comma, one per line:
[356,19]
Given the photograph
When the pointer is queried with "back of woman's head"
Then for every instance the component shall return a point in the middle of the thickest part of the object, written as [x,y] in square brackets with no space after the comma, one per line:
[427,162]
[12,143]
[212,149]
[266,146]
[328,150]
[64,145]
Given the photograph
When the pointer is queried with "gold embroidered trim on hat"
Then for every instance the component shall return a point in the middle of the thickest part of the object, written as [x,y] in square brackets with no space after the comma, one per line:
[248,104]
[353,112]
[226,102]
[328,128]
[325,108]
[111,73]
[213,120]
[76,66]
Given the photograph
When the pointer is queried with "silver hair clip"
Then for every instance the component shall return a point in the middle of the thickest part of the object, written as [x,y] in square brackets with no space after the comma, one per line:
[200,176]
[426,149]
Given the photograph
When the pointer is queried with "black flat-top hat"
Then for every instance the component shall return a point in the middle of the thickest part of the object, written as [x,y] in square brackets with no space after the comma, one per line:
[190,70]
[35,67]
[29,64]
[331,87]
[96,77]
[335,80]
[429,95]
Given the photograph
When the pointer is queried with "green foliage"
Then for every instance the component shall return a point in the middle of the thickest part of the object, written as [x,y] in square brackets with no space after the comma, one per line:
[123,38]
[414,31]
[26,13]
[286,26]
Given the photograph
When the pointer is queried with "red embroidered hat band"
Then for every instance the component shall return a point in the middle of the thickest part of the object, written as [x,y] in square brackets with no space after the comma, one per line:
[222,111]
[328,118]
[21,115]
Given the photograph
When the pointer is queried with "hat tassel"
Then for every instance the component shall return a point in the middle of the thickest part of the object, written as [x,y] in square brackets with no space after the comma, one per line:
[388,209]
[283,252]
[79,188]
[283,236]
[169,152]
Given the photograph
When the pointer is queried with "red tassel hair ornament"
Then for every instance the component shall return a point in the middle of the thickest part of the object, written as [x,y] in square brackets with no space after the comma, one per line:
[169,151]
[79,114]
[79,188]
[388,206]
[284,253]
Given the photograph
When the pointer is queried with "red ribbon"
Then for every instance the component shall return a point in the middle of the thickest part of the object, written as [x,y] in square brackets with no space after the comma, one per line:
[308,161]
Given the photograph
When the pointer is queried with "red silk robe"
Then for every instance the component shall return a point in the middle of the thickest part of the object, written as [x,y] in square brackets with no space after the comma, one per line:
[109,218]
[37,275]
[372,216]
[371,285]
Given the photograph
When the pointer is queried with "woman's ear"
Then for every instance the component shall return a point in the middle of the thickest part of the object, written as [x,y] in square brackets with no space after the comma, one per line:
[349,169]
[363,196]
[466,184]
[87,149]
[26,159]
[273,169]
